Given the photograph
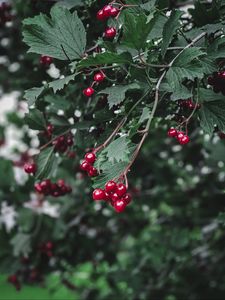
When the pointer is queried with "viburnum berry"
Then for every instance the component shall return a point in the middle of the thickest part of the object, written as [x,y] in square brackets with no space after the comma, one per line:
[180,135]
[90,157]
[172,132]
[107,10]
[119,205]
[127,198]
[101,15]
[92,172]
[110,32]
[85,166]
[115,197]
[46,60]
[110,186]
[99,77]
[88,91]
[30,168]
[121,189]
[184,140]
[98,194]
[114,12]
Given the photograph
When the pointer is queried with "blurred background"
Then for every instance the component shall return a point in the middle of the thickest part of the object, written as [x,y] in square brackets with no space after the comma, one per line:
[168,245]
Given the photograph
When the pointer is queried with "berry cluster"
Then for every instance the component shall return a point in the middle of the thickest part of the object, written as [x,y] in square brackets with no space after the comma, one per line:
[108,11]
[217,81]
[46,60]
[58,189]
[5,15]
[87,164]
[47,249]
[189,104]
[63,142]
[182,138]
[30,168]
[49,131]
[115,194]
[98,77]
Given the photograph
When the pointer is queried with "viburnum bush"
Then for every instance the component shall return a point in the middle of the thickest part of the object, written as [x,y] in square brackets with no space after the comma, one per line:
[129,75]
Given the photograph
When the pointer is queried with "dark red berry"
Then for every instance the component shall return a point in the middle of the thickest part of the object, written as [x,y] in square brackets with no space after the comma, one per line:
[172,132]
[85,166]
[115,197]
[184,140]
[114,12]
[107,10]
[99,77]
[30,168]
[69,142]
[46,60]
[110,186]
[88,91]
[93,172]
[98,194]
[110,32]
[13,279]
[180,135]
[90,157]
[38,188]
[127,198]
[101,15]
[119,205]
[121,189]
[49,245]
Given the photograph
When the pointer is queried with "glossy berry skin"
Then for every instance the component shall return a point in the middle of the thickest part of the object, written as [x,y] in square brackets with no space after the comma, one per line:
[99,77]
[172,132]
[184,140]
[110,32]
[98,194]
[46,60]
[114,12]
[127,198]
[30,168]
[90,157]
[180,135]
[93,172]
[88,92]
[110,186]
[85,166]
[119,206]
[121,189]
[101,15]
[107,10]
[115,197]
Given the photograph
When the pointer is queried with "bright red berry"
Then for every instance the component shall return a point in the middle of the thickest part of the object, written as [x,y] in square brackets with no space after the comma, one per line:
[184,140]
[107,10]
[127,198]
[93,172]
[180,135]
[90,157]
[101,15]
[46,60]
[88,92]
[30,168]
[85,166]
[98,194]
[115,197]
[119,205]
[114,12]
[110,32]
[172,132]
[99,77]
[121,189]
[110,186]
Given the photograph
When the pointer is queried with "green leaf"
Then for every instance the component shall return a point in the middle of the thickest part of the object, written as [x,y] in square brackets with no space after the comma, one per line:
[62,36]
[187,56]
[135,24]
[6,174]
[32,94]
[212,113]
[70,3]
[118,150]
[57,102]
[206,95]
[170,29]
[21,243]
[148,6]
[157,25]
[59,84]
[105,58]
[116,94]
[46,162]
[145,115]
[35,120]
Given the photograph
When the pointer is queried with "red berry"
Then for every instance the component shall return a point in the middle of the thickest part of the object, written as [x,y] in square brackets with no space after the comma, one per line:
[107,10]
[38,188]
[180,135]
[93,172]
[90,157]
[114,12]
[101,15]
[121,189]
[184,140]
[88,91]
[98,194]
[85,166]
[172,132]
[49,245]
[30,168]
[99,77]
[69,142]
[127,198]
[110,32]
[13,279]
[119,205]
[46,60]
[115,197]
[60,182]
[110,186]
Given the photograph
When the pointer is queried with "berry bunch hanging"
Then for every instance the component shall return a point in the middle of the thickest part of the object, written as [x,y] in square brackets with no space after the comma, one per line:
[87,164]
[46,187]
[181,137]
